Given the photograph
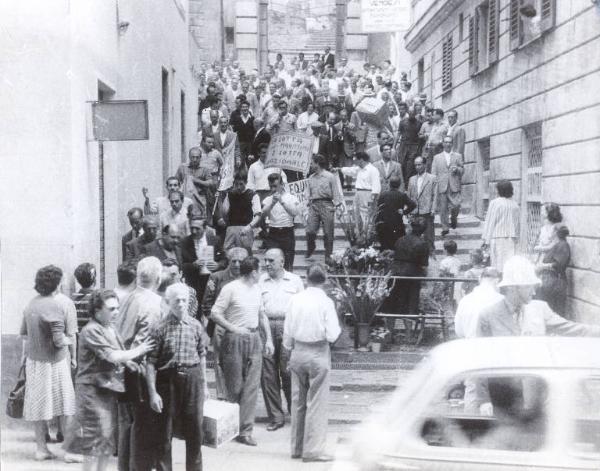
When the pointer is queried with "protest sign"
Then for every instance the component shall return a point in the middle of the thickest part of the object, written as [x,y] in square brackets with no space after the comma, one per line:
[227,169]
[300,190]
[290,150]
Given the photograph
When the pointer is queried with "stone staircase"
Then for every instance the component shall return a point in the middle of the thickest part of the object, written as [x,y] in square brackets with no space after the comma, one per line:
[467,236]
[318,40]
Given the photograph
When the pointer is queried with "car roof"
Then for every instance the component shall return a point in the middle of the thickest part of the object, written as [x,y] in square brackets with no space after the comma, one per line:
[516,352]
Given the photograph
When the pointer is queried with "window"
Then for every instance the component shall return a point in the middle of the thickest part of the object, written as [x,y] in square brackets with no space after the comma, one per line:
[483,36]
[165,123]
[182,122]
[447,64]
[488,412]
[420,74]
[461,32]
[229,35]
[587,418]
[532,185]
[529,19]
[483,180]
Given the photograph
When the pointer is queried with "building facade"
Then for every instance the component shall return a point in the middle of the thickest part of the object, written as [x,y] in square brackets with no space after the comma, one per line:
[58,58]
[523,77]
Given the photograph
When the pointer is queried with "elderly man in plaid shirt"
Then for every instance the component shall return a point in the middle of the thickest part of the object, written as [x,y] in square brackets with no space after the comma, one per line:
[175,377]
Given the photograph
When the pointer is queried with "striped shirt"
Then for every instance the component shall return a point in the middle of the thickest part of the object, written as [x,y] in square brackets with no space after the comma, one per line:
[502,220]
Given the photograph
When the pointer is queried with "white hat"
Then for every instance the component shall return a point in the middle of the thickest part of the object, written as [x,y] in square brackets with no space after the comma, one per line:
[518,271]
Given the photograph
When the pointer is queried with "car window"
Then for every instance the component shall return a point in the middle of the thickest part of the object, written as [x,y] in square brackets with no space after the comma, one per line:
[587,416]
[488,412]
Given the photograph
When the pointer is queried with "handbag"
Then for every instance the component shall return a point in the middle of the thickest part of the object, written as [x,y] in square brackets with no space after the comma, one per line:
[16,398]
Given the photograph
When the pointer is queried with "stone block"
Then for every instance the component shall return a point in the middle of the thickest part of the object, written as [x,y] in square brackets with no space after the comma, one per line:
[562,189]
[246,41]
[354,9]
[584,284]
[582,220]
[357,41]
[246,8]
[585,253]
[506,143]
[576,126]
[246,25]
[572,158]
[353,26]
[508,167]
[583,312]
[247,58]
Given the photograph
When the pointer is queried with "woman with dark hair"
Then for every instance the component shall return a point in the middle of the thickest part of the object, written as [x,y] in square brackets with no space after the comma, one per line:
[501,226]
[551,217]
[308,117]
[552,270]
[99,381]
[49,390]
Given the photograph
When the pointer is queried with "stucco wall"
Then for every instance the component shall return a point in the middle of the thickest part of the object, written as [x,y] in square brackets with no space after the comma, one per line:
[553,80]
[55,54]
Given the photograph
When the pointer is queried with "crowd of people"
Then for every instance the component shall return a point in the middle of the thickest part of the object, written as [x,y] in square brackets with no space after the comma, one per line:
[189,275]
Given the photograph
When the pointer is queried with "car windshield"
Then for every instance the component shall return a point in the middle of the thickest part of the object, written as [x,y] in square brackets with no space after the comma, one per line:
[587,416]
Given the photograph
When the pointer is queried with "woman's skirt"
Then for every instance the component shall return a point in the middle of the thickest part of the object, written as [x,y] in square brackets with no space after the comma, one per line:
[95,425]
[49,390]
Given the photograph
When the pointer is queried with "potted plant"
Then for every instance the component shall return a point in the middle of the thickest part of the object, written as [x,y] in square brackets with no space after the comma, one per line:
[379,335]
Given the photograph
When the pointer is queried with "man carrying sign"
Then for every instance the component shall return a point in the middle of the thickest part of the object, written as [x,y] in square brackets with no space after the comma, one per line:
[281,207]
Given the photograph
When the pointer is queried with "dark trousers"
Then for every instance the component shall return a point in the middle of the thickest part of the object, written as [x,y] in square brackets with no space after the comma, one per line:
[262,194]
[274,376]
[245,151]
[320,212]
[388,234]
[429,234]
[407,155]
[283,238]
[182,393]
[404,297]
[241,360]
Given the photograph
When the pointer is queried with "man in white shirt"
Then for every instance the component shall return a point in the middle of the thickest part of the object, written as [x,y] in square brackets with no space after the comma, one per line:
[277,286]
[161,203]
[258,174]
[368,188]
[176,216]
[483,295]
[311,324]
[281,207]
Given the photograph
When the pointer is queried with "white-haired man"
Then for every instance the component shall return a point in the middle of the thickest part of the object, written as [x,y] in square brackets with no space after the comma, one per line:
[175,376]
[137,316]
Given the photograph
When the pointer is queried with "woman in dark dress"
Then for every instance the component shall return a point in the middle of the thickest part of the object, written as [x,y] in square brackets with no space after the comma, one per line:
[99,381]
[553,272]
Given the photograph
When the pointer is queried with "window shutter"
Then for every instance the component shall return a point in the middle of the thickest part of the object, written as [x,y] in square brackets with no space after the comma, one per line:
[473,43]
[447,64]
[515,28]
[493,31]
[548,14]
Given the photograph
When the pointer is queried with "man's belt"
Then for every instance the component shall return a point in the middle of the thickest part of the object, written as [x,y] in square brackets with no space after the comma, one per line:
[321,199]
[363,189]
[286,228]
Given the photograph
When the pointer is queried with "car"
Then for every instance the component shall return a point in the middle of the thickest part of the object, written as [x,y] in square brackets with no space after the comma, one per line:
[502,403]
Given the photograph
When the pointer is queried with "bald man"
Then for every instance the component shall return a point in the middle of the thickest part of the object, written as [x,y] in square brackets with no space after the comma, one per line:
[277,286]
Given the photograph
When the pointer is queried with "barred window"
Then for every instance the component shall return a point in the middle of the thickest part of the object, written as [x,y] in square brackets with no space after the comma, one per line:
[447,64]
[532,184]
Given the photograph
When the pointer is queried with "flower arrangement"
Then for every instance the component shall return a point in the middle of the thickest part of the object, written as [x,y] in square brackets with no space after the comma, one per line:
[361,295]
[379,334]
[354,237]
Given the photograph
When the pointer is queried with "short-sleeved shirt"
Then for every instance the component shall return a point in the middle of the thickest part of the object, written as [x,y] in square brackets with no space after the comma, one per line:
[96,343]
[279,217]
[178,342]
[41,316]
[276,294]
[239,304]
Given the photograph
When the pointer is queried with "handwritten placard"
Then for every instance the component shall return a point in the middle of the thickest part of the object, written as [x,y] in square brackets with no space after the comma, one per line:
[291,151]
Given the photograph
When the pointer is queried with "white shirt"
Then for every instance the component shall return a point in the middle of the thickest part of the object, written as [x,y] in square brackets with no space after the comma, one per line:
[447,157]
[258,176]
[279,217]
[367,178]
[310,317]
[276,294]
[170,217]
[200,243]
[239,304]
[162,204]
[305,120]
[469,307]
